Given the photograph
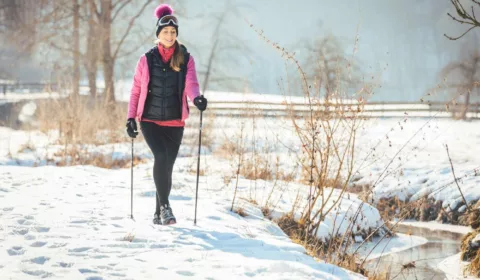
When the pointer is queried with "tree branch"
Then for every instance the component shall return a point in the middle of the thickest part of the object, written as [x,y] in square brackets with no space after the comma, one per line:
[456,180]
[94,7]
[456,38]
[119,9]
[464,17]
[130,25]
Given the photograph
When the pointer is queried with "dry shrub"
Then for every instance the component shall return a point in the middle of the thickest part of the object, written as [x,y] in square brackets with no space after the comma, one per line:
[474,267]
[471,253]
[474,216]
[317,248]
[468,250]
[240,211]
[257,167]
[267,212]
[193,124]
[83,120]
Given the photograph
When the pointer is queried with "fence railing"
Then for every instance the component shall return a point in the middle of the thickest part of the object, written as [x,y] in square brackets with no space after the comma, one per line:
[296,107]
[370,109]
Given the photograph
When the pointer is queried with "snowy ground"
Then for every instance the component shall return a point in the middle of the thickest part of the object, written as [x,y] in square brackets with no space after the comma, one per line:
[72,223]
[453,268]
[406,159]
[438,226]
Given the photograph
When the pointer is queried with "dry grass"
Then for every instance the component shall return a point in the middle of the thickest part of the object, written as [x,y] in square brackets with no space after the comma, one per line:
[267,212]
[474,267]
[317,248]
[84,121]
[240,211]
[471,253]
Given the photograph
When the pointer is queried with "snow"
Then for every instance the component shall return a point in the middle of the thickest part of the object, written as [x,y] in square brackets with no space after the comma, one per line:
[438,226]
[476,239]
[422,167]
[453,268]
[90,205]
[73,223]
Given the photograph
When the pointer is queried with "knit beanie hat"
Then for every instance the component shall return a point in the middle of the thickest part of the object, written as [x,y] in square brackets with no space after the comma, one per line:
[164,14]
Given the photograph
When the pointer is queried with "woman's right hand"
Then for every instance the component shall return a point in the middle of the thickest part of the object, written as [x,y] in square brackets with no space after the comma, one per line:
[132,128]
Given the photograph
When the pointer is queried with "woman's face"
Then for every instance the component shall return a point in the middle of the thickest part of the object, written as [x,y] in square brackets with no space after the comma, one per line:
[167,36]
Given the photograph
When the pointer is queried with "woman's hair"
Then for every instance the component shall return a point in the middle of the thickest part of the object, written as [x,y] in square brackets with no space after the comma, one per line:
[177,57]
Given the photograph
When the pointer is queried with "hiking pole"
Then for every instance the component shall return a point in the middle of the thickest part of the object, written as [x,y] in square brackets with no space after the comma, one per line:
[198,165]
[131,188]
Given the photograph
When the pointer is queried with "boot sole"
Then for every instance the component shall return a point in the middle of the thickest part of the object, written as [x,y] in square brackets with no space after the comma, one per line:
[170,222]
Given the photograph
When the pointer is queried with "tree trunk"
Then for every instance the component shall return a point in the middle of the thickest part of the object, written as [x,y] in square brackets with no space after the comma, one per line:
[91,60]
[76,49]
[107,59]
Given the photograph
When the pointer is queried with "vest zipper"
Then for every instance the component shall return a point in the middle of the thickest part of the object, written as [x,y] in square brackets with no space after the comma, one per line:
[164,92]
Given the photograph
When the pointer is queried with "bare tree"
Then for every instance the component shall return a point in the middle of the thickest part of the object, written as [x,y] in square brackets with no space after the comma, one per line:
[464,75]
[92,54]
[224,44]
[327,66]
[76,47]
[107,13]
[465,16]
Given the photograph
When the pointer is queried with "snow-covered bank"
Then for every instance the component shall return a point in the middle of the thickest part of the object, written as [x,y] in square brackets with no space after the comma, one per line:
[422,168]
[72,222]
[438,226]
[453,267]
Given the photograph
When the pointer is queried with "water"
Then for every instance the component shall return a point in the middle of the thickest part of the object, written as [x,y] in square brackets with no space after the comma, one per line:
[419,262]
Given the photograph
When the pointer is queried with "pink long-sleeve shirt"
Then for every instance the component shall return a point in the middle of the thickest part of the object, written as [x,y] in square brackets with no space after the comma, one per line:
[139,92]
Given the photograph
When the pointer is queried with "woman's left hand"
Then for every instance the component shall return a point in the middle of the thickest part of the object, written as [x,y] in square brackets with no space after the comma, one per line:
[200,102]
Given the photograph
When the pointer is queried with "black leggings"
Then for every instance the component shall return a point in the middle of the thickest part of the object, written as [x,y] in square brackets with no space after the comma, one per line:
[164,141]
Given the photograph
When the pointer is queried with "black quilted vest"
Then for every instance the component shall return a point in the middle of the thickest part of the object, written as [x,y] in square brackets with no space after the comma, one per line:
[165,89]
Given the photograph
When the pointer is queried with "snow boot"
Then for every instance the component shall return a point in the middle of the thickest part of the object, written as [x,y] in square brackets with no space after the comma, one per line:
[156,219]
[167,215]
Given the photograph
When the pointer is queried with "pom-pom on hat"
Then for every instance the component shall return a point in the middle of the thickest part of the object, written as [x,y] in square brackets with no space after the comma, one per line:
[164,14]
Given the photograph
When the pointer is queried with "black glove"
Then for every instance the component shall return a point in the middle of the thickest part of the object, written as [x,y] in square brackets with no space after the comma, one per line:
[132,128]
[200,102]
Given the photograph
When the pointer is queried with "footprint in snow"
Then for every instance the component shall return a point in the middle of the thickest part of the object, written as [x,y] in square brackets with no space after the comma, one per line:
[185,273]
[30,237]
[39,260]
[215,218]
[79,222]
[65,265]
[57,245]
[24,222]
[79,250]
[38,244]
[86,270]
[19,231]
[16,251]
[39,273]
[42,229]
[7,209]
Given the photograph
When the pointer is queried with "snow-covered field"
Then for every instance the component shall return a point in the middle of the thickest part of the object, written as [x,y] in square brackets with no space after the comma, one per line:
[72,222]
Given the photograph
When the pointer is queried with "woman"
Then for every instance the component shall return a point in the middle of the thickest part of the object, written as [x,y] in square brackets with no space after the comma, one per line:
[164,77]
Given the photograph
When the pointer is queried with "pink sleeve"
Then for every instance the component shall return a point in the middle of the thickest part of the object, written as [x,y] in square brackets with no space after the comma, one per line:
[136,88]
[192,89]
